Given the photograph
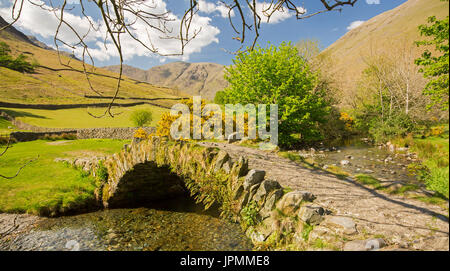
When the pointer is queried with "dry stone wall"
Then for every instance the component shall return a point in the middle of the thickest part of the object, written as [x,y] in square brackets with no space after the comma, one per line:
[37,132]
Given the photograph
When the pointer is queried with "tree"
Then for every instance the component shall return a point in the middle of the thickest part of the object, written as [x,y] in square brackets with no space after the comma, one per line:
[436,68]
[20,63]
[308,49]
[278,75]
[141,117]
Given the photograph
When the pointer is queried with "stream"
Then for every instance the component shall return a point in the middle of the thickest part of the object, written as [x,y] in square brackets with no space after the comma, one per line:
[170,225]
[359,157]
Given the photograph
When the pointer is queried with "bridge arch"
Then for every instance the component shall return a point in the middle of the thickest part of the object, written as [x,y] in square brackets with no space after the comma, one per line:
[158,168]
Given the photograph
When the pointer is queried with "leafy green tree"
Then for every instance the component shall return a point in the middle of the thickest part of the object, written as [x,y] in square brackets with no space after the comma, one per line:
[435,67]
[20,63]
[279,75]
[141,117]
[4,49]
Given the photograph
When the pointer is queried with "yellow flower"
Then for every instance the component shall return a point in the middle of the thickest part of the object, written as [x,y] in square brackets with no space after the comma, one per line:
[140,133]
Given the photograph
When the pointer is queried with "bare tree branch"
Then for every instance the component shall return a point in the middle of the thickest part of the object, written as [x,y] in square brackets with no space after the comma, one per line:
[120,16]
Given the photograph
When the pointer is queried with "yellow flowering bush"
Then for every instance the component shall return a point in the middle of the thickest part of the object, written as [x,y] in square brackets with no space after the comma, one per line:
[347,119]
[437,130]
[140,133]
[163,126]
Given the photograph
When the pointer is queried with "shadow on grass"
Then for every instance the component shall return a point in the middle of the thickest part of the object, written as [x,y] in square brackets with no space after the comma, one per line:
[18,113]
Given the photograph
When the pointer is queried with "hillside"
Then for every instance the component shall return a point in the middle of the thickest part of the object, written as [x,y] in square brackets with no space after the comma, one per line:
[389,32]
[54,83]
[203,79]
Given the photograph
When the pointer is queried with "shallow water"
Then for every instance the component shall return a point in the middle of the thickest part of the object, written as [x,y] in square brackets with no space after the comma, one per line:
[177,224]
[365,158]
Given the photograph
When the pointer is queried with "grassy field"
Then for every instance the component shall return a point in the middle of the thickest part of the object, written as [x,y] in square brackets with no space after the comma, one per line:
[79,117]
[46,187]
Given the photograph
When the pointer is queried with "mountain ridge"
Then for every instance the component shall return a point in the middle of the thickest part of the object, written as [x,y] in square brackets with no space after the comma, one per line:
[385,34]
[201,78]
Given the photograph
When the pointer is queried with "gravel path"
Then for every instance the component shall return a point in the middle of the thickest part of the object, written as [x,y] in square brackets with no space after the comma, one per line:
[402,222]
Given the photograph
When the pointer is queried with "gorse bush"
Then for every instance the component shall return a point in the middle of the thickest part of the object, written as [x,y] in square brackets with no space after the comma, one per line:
[141,118]
[140,133]
[164,124]
[20,63]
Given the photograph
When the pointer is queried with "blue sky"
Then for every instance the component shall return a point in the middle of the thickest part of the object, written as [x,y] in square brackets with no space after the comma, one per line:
[216,34]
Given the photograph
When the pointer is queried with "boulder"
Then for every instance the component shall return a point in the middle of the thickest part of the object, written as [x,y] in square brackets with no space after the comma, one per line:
[344,224]
[311,215]
[356,245]
[270,203]
[365,245]
[344,162]
[240,168]
[227,166]
[253,177]
[264,189]
[252,191]
[291,201]
[221,158]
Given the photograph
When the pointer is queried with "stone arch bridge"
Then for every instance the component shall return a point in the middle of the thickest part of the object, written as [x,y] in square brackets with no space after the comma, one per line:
[158,168]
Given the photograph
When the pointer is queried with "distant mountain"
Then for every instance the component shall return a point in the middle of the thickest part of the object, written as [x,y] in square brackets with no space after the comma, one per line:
[390,31]
[203,79]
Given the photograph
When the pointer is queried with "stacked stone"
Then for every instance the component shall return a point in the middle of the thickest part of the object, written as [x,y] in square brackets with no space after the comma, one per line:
[280,213]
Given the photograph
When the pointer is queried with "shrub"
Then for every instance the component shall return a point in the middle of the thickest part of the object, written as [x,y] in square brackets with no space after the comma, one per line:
[164,124]
[141,117]
[102,172]
[219,98]
[437,130]
[20,63]
[140,133]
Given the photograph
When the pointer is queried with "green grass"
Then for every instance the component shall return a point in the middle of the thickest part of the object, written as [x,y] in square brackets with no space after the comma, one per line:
[368,180]
[433,152]
[79,117]
[45,187]
[377,185]
[311,164]
[4,124]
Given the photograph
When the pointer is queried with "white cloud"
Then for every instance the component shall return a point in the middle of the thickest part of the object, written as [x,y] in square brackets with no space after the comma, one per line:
[354,25]
[48,23]
[373,2]
[265,10]
[208,8]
